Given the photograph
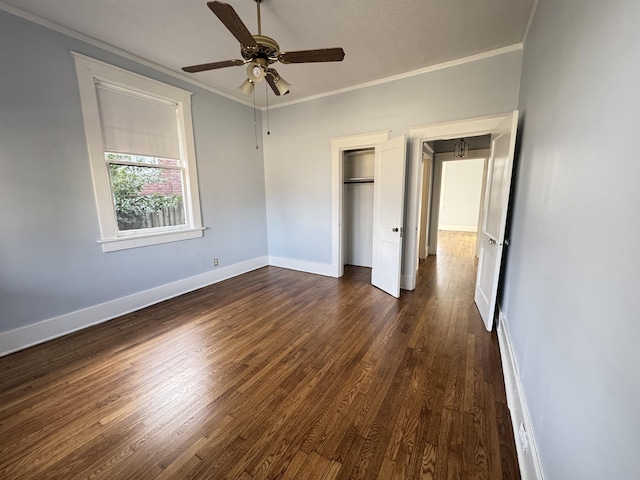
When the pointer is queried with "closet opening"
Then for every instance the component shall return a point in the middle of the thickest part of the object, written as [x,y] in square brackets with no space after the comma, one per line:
[357,215]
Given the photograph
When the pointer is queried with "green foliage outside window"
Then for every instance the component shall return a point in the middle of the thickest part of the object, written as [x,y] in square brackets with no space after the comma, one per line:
[133,207]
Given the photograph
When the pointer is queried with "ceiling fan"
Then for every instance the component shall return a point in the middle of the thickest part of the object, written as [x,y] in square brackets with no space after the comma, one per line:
[259,52]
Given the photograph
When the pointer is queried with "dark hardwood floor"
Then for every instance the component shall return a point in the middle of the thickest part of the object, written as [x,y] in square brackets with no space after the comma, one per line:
[275,374]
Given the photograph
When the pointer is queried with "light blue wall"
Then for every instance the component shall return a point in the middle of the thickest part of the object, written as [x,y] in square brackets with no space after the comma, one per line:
[298,151]
[572,301]
[50,263]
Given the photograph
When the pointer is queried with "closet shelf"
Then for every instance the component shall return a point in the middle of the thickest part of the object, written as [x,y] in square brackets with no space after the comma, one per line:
[359,180]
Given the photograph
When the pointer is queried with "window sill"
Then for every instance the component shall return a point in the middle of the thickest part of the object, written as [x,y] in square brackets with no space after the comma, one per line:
[123,243]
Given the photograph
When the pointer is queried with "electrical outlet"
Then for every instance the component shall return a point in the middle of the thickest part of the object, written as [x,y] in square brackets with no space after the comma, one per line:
[215,262]
[524,438]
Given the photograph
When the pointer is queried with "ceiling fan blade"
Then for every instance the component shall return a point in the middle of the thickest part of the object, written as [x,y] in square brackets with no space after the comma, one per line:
[306,56]
[232,21]
[212,66]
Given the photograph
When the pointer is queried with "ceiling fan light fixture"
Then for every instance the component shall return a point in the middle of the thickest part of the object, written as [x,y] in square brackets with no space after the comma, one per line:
[282,85]
[246,87]
[255,72]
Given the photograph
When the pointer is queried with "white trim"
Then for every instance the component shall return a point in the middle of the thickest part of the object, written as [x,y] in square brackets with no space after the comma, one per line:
[338,146]
[413,202]
[408,282]
[29,335]
[118,51]
[122,243]
[530,468]
[421,71]
[470,127]
[129,80]
[302,266]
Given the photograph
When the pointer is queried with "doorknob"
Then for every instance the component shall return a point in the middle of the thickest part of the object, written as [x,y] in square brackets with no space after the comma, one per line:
[394,229]
[492,241]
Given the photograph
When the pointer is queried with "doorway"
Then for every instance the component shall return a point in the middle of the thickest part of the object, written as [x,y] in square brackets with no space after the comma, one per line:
[339,147]
[419,140]
[388,206]
[458,193]
[491,235]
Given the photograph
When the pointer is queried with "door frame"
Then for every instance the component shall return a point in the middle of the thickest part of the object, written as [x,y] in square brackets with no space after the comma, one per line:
[339,146]
[470,127]
[426,174]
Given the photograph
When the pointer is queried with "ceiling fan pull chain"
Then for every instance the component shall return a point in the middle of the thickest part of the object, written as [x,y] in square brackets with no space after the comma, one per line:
[266,94]
[255,119]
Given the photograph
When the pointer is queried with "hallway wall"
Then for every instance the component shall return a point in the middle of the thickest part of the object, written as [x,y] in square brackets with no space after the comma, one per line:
[571,301]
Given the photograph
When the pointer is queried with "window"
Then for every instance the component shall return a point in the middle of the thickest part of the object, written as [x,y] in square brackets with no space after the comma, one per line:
[141,149]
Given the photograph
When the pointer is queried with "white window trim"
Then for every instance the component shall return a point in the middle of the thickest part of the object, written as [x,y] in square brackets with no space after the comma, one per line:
[88,71]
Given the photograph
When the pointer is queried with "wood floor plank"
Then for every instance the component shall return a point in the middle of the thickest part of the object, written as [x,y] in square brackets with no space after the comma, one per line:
[428,463]
[274,374]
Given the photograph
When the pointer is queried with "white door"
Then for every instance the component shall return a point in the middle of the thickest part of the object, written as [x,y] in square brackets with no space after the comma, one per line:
[388,209]
[491,235]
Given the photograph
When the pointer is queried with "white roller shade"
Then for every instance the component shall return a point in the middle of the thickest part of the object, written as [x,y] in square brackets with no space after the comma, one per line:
[137,124]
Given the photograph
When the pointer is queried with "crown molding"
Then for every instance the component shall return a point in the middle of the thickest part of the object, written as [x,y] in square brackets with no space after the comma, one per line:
[441,66]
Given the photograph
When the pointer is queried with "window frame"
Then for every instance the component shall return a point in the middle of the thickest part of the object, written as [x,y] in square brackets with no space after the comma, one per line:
[89,71]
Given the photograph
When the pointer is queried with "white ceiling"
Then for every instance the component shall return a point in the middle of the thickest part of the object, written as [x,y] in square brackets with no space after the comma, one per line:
[380,38]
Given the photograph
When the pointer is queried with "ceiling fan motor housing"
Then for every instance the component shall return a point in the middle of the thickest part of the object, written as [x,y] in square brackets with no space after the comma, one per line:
[267,48]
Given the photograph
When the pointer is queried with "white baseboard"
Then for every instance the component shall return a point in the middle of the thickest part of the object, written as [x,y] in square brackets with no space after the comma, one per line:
[530,468]
[408,282]
[303,266]
[29,335]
